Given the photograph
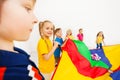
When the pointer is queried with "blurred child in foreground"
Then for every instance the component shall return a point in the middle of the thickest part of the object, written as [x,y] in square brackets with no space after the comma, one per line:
[16,23]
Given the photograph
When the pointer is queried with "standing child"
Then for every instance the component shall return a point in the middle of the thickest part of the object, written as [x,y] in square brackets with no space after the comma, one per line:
[80,34]
[58,34]
[99,40]
[45,48]
[16,23]
[69,34]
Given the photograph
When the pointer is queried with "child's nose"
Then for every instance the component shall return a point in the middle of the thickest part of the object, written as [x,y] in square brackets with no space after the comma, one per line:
[35,20]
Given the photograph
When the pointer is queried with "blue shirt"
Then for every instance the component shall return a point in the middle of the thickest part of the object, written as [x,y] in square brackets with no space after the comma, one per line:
[17,66]
[58,50]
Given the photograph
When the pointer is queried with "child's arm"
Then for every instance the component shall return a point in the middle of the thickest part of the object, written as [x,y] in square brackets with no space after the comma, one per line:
[64,42]
[47,56]
[103,43]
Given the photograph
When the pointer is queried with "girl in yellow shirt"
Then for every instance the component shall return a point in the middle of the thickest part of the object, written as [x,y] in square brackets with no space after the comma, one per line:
[99,40]
[45,48]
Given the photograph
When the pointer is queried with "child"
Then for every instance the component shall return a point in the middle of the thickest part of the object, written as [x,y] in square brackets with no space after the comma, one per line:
[46,61]
[99,40]
[16,23]
[80,34]
[69,34]
[58,34]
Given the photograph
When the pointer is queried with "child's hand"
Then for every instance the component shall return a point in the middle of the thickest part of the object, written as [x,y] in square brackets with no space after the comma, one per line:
[110,71]
[56,44]
[103,43]
[66,38]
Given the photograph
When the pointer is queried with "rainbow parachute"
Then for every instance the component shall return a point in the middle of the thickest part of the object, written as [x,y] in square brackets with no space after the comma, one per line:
[80,63]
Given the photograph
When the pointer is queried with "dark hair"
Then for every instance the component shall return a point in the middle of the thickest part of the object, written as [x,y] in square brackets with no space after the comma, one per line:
[80,29]
[56,30]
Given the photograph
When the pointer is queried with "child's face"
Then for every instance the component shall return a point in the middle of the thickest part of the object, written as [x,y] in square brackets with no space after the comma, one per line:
[70,32]
[100,33]
[17,19]
[81,31]
[47,29]
[59,33]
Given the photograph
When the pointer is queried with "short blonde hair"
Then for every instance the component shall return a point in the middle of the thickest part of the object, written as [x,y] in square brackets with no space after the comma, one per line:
[69,32]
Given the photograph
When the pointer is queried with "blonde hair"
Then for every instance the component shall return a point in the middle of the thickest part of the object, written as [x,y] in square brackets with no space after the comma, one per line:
[41,24]
[68,32]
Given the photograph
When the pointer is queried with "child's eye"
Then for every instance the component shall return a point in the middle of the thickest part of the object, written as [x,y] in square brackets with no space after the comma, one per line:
[47,28]
[28,9]
[51,28]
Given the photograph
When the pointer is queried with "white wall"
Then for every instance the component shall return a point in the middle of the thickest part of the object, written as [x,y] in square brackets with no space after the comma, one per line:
[91,15]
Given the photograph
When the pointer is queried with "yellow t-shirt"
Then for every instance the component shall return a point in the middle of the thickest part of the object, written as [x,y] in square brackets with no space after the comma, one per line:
[71,37]
[99,40]
[45,66]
